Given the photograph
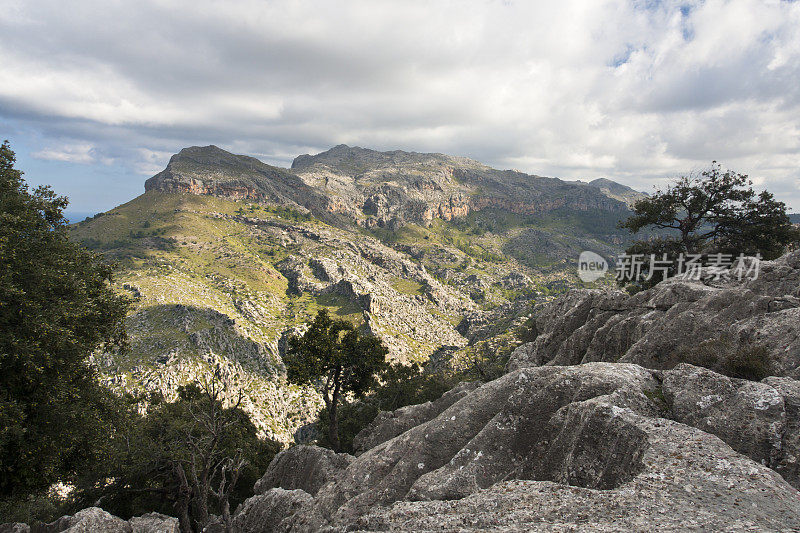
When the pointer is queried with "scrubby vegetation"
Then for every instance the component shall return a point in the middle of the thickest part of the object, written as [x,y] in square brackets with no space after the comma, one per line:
[727,356]
[188,458]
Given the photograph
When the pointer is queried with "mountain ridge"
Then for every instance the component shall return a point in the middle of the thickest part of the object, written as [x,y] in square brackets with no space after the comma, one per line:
[382,189]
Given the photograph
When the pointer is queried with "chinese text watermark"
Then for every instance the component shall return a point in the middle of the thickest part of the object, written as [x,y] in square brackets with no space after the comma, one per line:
[645,267]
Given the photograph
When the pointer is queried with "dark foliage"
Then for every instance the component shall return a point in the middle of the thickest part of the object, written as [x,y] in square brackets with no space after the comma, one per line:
[188,458]
[56,308]
[398,385]
[528,332]
[339,360]
[714,212]
[731,358]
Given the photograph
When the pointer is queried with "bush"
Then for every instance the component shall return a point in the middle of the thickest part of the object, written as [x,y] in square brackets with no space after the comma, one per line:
[748,362]
[528,332]
[729,357]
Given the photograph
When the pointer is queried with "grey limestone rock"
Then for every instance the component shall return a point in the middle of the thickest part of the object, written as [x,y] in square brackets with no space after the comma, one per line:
[582,447]
[388,425]
[302,467]
[656,327]
[269,512]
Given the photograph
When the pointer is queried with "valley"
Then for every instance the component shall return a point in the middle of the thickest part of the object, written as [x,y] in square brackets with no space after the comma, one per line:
[224,256]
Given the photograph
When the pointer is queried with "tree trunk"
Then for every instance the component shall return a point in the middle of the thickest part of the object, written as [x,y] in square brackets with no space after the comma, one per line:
[226,515]
[333,422]
[184,499]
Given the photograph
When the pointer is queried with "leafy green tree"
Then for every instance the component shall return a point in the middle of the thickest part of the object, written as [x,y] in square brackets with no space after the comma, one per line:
[397,386]
[714,212]
[338,359]
[56,308]
[189,458]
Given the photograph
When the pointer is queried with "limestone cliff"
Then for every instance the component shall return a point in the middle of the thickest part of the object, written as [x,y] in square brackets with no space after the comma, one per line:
[383,189]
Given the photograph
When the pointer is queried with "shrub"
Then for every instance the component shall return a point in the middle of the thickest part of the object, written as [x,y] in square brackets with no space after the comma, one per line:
[729,357]
[528,332]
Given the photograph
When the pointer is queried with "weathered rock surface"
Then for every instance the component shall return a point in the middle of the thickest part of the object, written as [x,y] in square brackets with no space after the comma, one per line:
[747,415]
[655,327]
[154,523]
[302,467]
[788,461]
[96,520]
[587,447]
[92,519]
[269,512]
[577,447]
[389,424]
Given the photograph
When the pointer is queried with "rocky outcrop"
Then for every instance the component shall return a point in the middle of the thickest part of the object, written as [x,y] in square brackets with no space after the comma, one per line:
[154,523]
[658,327]
[96,520]
[591,447]
[213,171]
[788,461]
[586,446]
[270,511]
[389,424]
[749,416]
[302,467]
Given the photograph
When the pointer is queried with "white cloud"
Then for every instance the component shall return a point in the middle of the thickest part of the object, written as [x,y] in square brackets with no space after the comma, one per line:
[633,90]
[76,153]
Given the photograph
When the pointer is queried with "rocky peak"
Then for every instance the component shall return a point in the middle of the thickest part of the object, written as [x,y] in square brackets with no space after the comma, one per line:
[618,191]
[386,189]
[350,160]
[213,171]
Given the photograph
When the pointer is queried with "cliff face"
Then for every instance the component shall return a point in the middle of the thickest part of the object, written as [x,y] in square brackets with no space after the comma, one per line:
[212,171]
[381,189]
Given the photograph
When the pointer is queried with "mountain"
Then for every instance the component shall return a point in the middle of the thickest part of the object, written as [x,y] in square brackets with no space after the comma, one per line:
[617,191]
[224,256]
[383,189]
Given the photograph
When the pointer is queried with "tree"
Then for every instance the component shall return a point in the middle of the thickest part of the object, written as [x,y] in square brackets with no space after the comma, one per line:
[338,359]
[191,457]
[397,385]
[714,212]
[56,308]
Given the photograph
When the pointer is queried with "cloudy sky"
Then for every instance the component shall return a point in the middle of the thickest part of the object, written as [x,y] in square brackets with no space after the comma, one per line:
[96,95]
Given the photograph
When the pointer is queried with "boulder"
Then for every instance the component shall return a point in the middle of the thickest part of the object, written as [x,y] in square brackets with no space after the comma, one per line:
[302,467]
[154,523]
[15,527]
[747,415]
[269,512]
[788,462]
[89,520]
[388,425]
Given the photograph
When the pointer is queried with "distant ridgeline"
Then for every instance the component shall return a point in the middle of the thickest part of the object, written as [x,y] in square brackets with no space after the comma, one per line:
[441,256]
[383,189]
